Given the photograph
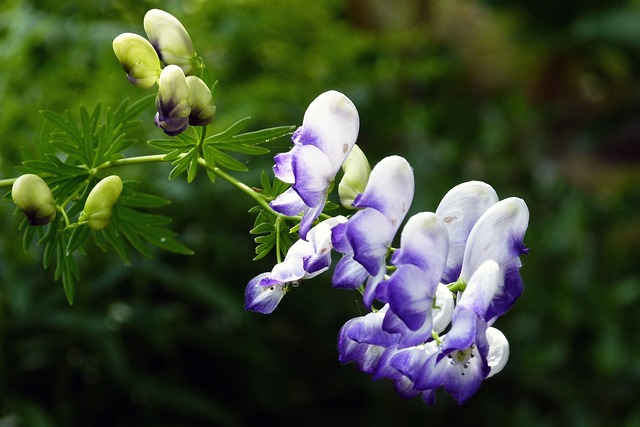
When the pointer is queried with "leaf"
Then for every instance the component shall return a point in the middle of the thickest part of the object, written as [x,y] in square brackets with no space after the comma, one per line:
[222,159]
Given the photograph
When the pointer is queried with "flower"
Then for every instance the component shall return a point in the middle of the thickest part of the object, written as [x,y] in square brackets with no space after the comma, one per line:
[499,236]
[172,101]
[138,58]
[325,139]
[460,209]
[304,260]
[420,260]
[202,109]
[383,205]
[99,205]
[33,196]
[469,353]
[171,40]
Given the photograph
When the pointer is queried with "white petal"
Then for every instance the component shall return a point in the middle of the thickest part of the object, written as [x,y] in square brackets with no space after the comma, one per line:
[498,351]
[445,304]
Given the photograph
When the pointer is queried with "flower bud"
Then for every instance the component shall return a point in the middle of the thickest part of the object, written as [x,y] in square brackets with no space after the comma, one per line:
[138,58]
[99,205]
[172,101]
[356,174]
[202,109]
[33,196]
[170,39]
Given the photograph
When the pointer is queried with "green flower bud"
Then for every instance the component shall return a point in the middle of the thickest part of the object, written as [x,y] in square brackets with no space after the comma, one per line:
[202,109]
[170,39]
[173,101]
[33,196]
[356,174]
[138,58]
[99,205]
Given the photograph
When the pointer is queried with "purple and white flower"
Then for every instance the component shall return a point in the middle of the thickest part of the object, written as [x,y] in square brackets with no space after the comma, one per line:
[366,238]
[328,133]
[304,260]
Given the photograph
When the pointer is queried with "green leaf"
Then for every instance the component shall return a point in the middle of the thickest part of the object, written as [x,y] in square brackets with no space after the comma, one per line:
[222,159]
[77,238]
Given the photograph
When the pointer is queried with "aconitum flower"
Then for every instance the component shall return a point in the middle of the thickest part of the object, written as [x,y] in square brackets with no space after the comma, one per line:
[325,139]
[304,260]
[461,361]
[460,209]
[499,236]
[366,238]
[411,289]
[171,40]
[138,59]
[172,101]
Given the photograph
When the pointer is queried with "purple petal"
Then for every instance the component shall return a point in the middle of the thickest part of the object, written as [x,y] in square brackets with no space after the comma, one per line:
[462,333]
[507,294]
[410,294]
[312,172]
[368,329]
[349,273]
[283,169]
[289,203]
[370,234]
[389,189]
[262,299]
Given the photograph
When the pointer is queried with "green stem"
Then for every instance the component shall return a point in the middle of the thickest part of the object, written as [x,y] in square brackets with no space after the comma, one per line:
[458,286]
[137,160]
[8,182]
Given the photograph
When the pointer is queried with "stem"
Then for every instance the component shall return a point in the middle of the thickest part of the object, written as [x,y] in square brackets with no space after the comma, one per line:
[153,158]
[8,182]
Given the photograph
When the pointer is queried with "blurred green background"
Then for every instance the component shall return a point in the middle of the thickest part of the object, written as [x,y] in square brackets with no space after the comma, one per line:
[541,99]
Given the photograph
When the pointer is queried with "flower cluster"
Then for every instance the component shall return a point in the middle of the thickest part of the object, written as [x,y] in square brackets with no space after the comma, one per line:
[438,294]
[183,98]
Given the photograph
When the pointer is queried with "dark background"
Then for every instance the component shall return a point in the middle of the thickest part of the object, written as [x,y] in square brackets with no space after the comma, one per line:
[541,99]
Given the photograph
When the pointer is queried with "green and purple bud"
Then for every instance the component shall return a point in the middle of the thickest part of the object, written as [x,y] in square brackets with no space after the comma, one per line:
[138,58]
[173,101]
[99,205]
[171,40]
[202,109]
[33,196]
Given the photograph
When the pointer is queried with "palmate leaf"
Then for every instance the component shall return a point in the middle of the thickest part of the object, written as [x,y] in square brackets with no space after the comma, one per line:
[92,141]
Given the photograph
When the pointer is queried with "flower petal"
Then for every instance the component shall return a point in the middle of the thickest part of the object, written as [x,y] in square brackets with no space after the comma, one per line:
[331,123]
[289,203]
[262,299]
[460,209]
[370,234]
[498,351]
[389,190]
[424,243]
[312,172]
[498,235]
